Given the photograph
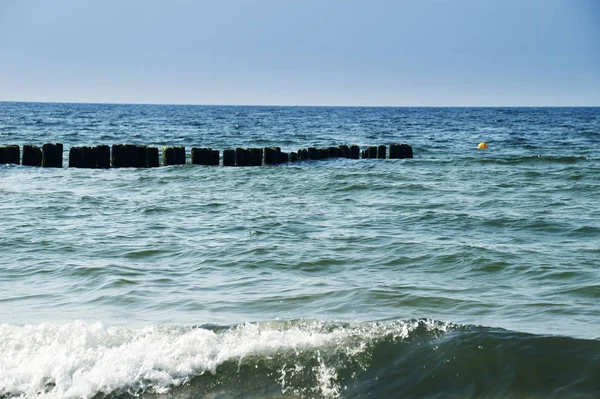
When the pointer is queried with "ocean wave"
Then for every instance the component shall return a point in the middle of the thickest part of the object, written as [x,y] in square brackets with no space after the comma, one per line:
[536,159]
[301,358]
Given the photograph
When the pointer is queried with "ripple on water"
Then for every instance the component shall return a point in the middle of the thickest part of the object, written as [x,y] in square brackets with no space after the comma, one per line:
[505,238]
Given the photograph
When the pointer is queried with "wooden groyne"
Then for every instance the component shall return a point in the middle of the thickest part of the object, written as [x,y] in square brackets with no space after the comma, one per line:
[50,155]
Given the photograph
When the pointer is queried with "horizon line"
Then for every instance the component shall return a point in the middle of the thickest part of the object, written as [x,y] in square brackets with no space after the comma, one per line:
[299,105]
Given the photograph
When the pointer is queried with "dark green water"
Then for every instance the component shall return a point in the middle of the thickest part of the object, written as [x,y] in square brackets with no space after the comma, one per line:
[459,273]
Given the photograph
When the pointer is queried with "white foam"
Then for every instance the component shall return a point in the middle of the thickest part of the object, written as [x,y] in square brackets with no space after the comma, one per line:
[80,360]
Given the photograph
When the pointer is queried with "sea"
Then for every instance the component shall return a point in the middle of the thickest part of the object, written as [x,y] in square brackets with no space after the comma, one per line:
[460,273]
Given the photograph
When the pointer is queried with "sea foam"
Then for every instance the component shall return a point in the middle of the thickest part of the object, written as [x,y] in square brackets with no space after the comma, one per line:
[81,360]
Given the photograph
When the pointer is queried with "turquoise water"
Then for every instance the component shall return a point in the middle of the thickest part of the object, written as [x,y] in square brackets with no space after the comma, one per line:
[457,273]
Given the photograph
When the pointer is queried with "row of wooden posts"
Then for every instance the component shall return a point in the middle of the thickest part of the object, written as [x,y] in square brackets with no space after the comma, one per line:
[141,156]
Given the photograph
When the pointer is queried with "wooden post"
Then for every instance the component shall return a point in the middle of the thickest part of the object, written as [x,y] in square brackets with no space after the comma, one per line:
[303,155]
[153,159]
[130,155]
[10,154]
[248,156]
[381,152]
[173,156]
[83,157]
[32,155]
[344,151]
[370,152]
[228,157]
[240,157]
[180,155]
[400,151]
[52,155]
[141,157]
[76,157]
[272,155]
[118,156]
[169,156]
[102,156]
[257,156]
[205,156]
[90,157]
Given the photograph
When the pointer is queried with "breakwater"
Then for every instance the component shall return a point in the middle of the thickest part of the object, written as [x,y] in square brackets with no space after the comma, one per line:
[142,156]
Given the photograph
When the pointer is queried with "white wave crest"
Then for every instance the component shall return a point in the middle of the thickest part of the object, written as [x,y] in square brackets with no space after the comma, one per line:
[81,360]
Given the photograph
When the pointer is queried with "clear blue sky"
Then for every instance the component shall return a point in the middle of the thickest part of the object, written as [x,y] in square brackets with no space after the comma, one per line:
[302,52]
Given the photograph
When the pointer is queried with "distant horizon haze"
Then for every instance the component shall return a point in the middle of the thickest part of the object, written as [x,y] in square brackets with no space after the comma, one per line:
[299,105]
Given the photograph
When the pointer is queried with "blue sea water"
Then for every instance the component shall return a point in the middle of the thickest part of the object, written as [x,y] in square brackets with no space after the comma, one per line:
[459,273]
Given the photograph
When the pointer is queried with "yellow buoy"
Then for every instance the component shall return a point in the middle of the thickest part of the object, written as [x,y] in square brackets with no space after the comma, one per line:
[482,146]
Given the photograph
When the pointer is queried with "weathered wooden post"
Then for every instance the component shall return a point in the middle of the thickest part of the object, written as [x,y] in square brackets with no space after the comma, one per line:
[333,152]
[83,157]
[141,156]
[257,156]
[102,156]
[354,151]
[272,155]
[3,155]
[248,156]
[381,152]
[90,157]
[180,155]
[344,151]
[370,152]
[52,155]
[205,156]
[168,156]
[400,151]
[284,157]
[228,157]
[394,151]
[126,156]
[76,157]
[10,154]
[303,154]
[407,151]
[293,156]
[214,158]
[240,157]
[14,154]
[32,155]
[118,156]
[153,159]
[173,156]
[130,155]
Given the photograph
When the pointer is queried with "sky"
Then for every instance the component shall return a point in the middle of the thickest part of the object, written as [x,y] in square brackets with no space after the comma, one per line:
[302,52]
